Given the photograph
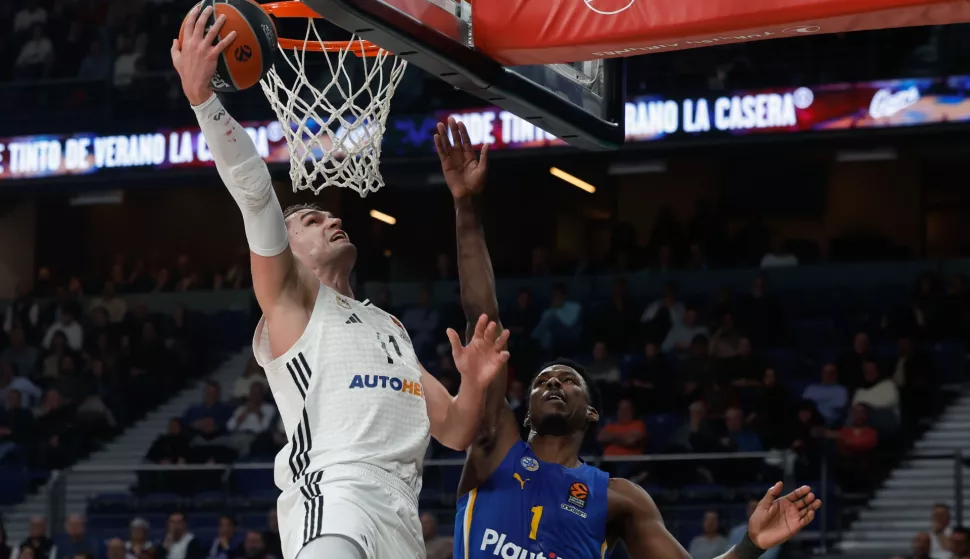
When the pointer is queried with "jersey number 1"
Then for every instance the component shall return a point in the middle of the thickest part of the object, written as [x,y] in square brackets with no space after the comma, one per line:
[390,340]
[534,527]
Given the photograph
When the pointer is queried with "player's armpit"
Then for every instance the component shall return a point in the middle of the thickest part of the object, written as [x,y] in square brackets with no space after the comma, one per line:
[635,519]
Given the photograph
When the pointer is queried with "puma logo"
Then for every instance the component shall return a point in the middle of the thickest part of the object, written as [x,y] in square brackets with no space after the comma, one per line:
[519,479]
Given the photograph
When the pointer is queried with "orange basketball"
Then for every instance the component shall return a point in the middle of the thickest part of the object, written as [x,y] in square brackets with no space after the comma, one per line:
[251,53]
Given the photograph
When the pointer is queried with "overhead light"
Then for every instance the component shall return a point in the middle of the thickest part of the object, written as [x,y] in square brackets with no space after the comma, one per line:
[381,216]
[578,183]
[851,156]
[618,169]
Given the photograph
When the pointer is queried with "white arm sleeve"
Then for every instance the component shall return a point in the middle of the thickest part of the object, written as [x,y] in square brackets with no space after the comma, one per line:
[246,177]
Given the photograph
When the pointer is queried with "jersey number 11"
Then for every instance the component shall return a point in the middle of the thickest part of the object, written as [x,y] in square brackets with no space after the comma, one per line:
[393,341]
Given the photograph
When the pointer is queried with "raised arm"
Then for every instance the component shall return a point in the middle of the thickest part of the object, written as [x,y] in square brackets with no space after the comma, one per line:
[636,520]
[465,175]
[239,165]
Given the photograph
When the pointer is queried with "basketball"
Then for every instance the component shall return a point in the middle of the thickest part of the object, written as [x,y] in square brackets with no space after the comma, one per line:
[251,54]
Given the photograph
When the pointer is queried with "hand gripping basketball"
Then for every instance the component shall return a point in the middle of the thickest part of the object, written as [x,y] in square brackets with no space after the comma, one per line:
[464,173]
[196,58]
[480,361]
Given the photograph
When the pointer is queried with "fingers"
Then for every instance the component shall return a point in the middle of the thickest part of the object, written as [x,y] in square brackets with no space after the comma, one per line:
[189,24]
[201,22]
[503,357]
[771,495]
[455,134]
[466,143]
[491,333]
[213,33]
[480,326]
[176,51]
[223,44]
[483,158]
[503,339]
[456,347]
[798,493]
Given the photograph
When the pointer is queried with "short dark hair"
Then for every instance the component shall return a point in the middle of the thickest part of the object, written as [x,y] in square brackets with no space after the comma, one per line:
[961,530]
[592,393]
[299,208]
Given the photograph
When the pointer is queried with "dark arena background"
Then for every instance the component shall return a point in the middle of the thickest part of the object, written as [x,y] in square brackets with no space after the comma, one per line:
[769,280]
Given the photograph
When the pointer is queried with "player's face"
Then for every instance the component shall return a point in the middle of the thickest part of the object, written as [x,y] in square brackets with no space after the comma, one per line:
[318,242]
[559,402]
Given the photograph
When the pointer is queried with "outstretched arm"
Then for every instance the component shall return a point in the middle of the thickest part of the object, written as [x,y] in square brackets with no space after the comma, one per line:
[239,165]
[639,524]
[455,420]
[465,175]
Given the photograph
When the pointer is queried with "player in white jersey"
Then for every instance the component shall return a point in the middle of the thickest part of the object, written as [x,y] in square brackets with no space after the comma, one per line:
[356,405]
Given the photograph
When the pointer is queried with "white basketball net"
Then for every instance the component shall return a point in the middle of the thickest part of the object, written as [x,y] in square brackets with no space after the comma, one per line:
[336,128]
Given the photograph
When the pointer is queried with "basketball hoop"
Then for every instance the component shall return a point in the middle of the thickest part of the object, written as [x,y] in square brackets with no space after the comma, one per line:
[336,124]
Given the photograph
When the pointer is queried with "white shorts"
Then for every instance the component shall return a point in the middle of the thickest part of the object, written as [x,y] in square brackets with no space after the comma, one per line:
[360,502]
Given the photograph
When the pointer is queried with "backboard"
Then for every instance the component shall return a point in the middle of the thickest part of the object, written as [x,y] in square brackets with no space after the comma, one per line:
[582,103]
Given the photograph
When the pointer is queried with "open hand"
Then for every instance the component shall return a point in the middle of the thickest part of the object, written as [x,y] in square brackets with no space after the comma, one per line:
[464,173]
[480,361]
[776,519]
[196,58]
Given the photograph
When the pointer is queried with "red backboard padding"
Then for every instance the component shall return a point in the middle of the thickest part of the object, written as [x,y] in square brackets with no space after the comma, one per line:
[518,32]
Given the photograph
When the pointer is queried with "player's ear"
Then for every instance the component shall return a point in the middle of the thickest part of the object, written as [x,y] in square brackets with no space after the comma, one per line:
[527,422]
[592,415]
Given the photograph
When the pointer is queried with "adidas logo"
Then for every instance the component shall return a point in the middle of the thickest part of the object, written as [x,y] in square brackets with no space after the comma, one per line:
[354,319]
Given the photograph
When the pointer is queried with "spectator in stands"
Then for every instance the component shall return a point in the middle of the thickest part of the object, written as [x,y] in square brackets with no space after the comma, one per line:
[29,17]
[518,401]
[179,543]
[115,549]
[830,397]
[650,380]
[604,371]
[422,322]
[737,437]
[558,330]
[920,548]
[37,540]
[627,436]
[23,312]
[744,370]
[139,545]
[696,371]
[881,395]
[663,314]
[228,542]
[710,543]
[29,392]
[253,374]
[738,532]
[36,56]
[170,448]
[681,334]
[521,319]
[96,64]
[53,427]
[438,547]
[68,325]
[761,316]
[617,323]
[918,386]
[116,307]
[699,434]
[254,547]
[940,531]
[271,537]
[850,365]
[803,436]
[855,444]
[779,256]
[250,420]
[75,540]
[16,425]
[207,423]
[269,443]
[22,356]
[960,543]
[23,552]
[726,340]
[771,411]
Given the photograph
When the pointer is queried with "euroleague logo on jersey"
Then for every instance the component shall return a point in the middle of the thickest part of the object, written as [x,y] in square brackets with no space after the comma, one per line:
[609,7]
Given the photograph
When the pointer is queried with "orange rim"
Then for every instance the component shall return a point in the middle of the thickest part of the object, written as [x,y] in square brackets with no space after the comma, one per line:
[297,9]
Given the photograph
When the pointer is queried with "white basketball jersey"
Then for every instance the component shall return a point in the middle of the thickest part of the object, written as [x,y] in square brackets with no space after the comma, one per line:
[348,391]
